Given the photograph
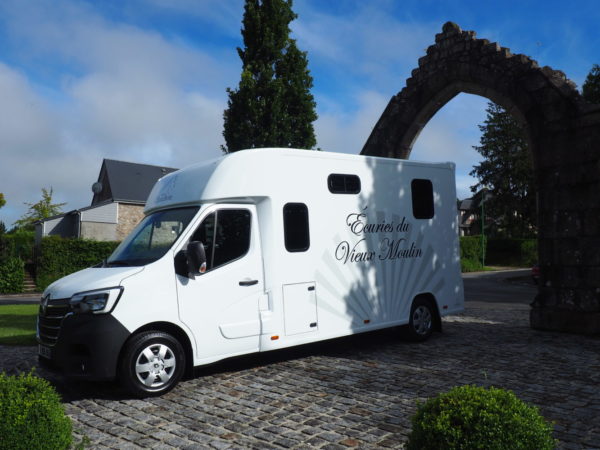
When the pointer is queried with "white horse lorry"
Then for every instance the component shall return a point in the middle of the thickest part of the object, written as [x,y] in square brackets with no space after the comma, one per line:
[259,250]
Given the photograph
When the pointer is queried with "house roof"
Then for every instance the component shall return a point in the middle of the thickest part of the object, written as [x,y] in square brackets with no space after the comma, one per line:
[466,204]
[122,181]
[474,202]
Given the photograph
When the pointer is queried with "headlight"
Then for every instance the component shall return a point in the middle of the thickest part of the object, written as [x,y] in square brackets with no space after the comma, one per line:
[97,302]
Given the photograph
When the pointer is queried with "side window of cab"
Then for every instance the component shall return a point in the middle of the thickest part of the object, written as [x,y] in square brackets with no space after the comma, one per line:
[225,235]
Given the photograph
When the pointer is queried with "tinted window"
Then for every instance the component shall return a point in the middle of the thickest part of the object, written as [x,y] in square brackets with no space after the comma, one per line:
[232,238]
[225,235]
[343,184]
[422,198]
[295,227]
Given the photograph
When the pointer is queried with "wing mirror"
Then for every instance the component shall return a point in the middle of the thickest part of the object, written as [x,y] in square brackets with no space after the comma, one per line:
[196,257]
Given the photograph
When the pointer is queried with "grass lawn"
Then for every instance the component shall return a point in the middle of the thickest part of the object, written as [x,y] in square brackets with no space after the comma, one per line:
[17,324]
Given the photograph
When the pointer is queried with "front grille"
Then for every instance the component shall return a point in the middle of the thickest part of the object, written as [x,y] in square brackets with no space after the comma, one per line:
[50,319]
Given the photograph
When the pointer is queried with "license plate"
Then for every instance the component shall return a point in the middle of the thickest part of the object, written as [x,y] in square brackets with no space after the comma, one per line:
[44,351]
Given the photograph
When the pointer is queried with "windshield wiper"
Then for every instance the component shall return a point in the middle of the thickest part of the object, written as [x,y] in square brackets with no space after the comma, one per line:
[117,263]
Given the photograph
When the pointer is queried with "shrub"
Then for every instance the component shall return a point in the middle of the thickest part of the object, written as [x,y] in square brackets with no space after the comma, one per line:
[529,252]
[12,274]
[17,245]
[469,265]
[512,252]
[470,247]
[60,257]
[471,417]
[470,253]
[31,414]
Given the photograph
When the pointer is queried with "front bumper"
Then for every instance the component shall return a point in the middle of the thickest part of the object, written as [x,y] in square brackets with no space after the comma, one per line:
[88,346]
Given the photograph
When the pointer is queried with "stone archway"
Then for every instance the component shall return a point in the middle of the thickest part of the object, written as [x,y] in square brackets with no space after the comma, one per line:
[563,132]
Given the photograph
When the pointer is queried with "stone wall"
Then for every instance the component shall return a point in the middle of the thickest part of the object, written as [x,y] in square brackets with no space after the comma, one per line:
[563,133]
[129,216]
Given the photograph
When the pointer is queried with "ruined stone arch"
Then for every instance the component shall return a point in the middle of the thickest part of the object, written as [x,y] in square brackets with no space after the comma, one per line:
[563,132]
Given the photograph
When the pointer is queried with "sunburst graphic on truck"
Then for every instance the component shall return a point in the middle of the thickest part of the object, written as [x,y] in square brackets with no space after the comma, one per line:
[373,270]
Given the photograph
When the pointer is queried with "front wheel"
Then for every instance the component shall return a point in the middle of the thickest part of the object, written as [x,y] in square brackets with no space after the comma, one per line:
[152,364]
[420,326]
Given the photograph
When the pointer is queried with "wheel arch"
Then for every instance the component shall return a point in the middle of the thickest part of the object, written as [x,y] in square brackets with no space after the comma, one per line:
[437,319]
[175,331]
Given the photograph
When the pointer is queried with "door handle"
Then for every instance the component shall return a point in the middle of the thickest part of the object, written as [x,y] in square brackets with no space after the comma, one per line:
[248,282]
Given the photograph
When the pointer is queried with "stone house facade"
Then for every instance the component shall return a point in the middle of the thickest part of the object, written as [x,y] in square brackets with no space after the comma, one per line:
[117,206]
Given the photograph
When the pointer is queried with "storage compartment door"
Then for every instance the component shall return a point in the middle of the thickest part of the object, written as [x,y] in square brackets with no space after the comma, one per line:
[300,308]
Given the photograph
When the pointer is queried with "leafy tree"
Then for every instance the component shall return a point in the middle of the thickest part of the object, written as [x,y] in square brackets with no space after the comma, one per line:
[272,106]
[506,171]
[2,200]
[40,210]
[591,86]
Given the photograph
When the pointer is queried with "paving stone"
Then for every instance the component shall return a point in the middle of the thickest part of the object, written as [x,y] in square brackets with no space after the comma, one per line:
[147,442]
[354,392]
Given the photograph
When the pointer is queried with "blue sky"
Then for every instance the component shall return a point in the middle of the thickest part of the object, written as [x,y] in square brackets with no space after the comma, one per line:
[145,80]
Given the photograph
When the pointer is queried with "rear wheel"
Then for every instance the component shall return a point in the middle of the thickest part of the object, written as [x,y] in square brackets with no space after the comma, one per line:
[152,364]
[422,314]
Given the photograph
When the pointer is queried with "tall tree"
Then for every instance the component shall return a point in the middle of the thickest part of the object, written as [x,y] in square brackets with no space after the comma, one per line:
[506,171]
[272,106]
[591,86]
[40,210]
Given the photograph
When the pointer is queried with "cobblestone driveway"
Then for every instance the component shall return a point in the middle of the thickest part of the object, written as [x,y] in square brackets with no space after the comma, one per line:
[352,392]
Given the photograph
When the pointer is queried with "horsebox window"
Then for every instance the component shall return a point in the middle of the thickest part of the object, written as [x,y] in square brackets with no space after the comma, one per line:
[422,198]
[295,227]
[343,184]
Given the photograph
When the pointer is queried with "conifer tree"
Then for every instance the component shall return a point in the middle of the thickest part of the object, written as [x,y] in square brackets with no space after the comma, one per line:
[272,106]
[591,86]
[506,172]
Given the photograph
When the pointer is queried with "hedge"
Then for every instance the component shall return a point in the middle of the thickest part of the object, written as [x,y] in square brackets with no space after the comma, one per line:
[31,415]
[17,245]
[499,252]
[471,417]
[12,274]
[470,253]
[512,252]
[60,257]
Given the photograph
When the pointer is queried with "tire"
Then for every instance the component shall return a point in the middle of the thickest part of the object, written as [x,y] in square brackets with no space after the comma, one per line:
[152,364]
[421,323]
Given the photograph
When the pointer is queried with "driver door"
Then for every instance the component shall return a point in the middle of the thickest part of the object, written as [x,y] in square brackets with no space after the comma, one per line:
[221,306]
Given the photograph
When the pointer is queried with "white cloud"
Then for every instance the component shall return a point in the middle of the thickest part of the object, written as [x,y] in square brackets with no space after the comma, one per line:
[125,93]
[26,122]
[368,42]
[346,132]
[220,12]
[450,136]
[32,155]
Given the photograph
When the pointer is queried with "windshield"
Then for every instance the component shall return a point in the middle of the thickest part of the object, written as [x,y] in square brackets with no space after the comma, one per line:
[152,237]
